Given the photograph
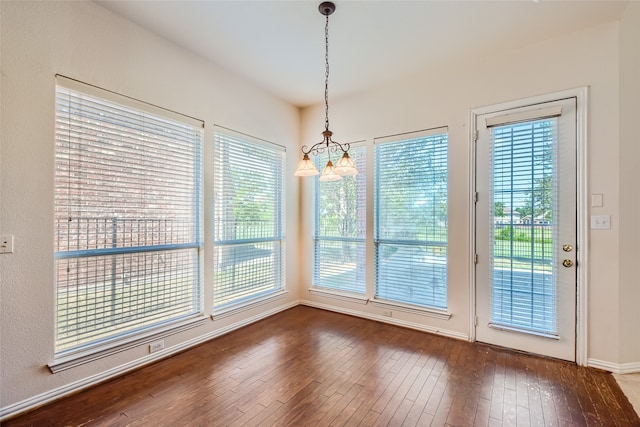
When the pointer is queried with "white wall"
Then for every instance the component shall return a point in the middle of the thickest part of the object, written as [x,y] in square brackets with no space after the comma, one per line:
[86,42]
[444,97]
[629,176]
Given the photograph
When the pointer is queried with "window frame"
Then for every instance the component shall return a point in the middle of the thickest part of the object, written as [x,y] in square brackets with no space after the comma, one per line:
[279,291]
[401,305]
[78,354]
[349,294]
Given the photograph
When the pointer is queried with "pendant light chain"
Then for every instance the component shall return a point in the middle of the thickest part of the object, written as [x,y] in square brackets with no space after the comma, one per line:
[345,166]
[326,74]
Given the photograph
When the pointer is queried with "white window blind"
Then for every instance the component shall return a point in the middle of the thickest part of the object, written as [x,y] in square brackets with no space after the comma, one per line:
[523,226]
[248,218]
[340,228]
[127,217]
[411,218]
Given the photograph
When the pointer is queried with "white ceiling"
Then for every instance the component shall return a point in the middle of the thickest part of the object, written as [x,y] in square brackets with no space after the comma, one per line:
[279,45]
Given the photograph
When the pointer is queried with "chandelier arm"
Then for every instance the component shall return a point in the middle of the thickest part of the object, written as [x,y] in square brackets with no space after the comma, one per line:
[314,149]
[344,147]
[329,144]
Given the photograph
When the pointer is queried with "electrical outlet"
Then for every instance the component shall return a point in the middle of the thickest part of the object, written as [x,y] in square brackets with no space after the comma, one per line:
[6,243]
[387,313]
[156,346]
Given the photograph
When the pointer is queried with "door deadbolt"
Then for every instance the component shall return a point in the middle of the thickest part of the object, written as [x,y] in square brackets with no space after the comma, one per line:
[567,248]
[567,263]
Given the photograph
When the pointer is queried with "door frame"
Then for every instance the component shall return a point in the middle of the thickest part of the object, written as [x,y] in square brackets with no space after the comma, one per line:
[582,97]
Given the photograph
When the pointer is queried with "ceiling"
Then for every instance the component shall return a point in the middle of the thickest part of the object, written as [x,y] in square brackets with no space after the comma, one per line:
[279,45]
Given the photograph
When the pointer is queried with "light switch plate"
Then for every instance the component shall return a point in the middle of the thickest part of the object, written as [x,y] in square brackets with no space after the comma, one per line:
[596,200]
[600,222]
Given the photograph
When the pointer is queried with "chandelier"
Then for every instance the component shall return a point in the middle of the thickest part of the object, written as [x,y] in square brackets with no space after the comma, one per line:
[345,165]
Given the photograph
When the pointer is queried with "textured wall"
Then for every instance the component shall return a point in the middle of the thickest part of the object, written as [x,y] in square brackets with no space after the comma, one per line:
[85,41]
[629,173]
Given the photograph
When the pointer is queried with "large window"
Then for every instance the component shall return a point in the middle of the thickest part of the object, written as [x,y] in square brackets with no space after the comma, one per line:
[127,216]
[248,218]
[410,231]
[340,227]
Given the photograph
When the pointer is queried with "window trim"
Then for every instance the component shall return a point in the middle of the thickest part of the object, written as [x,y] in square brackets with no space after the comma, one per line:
[315,288]
[410,308]
[80,356]
[377,241]
[121,341]
[248,304]
[338,294]
[231,308]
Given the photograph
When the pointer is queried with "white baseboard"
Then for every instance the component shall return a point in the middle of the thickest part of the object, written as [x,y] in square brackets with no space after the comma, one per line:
[390,320]
[51,395]
[616,368]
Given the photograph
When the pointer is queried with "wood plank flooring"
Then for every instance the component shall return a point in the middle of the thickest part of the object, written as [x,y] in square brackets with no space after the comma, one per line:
[309,367]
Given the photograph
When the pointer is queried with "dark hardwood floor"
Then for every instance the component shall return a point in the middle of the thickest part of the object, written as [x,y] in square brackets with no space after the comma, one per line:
[306,367]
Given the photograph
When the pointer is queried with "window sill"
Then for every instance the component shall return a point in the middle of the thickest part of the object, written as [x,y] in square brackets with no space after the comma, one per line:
[247,305]
[341,295]
[429,312]
[80,357]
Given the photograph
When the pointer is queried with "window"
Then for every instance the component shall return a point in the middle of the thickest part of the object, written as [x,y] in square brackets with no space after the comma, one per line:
[248,218]
[127,217]
[340,227]
[523,287]
[410,230]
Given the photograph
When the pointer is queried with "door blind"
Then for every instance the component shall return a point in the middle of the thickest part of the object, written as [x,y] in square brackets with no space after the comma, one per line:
[340,227]
[127,218]
[248,218]
[523,226]
[411,219]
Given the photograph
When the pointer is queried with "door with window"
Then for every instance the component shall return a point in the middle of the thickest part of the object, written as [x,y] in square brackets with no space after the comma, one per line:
[525,228]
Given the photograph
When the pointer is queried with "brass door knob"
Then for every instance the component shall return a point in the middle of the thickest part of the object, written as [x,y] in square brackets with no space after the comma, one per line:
[567,263]
[567,248]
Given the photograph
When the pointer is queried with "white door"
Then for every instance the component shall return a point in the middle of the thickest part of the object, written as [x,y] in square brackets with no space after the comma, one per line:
[525,228]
